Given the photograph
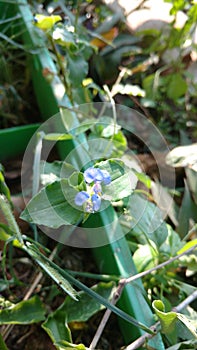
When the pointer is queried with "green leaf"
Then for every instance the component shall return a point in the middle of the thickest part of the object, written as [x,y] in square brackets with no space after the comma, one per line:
[24,312]
[84,126]
[51,269]
[172,244]
[190,324]
[110,130]
[78,68]
[3,187]
[70,311]
[65,345]
[145,257]
[145,179]
[58,137]
[2,344]
[147,220]
[50,172]
[123,179]
[184,213]
[167,319]
[53,206]
[188,245]
[177,86]
[190,345]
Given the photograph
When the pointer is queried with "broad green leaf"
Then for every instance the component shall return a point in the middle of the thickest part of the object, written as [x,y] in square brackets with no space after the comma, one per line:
[145,179]
[24,312]
[167,319]
[188,245]
[147,220]
[110,130]
[53,206]
[145,257]
[123,179]
[190,324]
[172,244]
[184,213]
[69,311]
[50,172]
[177,86]
[58,137]
[77,67]
[51,269]
[148,86]
[119,145]
[84,126]
[65,345]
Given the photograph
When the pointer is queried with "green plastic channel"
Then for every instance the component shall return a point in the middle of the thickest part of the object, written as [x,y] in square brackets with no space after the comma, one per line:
[114,258]
[13,141]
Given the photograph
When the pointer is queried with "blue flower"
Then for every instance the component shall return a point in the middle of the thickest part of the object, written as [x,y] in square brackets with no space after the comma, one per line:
[96,201]
[94,177]
[81,197]
[97,188]
[106,177]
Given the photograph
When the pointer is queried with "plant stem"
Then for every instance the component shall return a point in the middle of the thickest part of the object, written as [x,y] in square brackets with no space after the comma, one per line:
[6,209]
[61,66]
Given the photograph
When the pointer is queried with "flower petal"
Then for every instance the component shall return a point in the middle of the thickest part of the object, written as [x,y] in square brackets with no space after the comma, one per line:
[81,197]
[96,201]
[106,177]
[89,174]
[97,188]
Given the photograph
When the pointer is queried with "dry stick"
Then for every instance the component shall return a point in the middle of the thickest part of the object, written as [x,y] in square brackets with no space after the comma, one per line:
[106,315]
[120,288]
[144,273]
[141,340]
[38,278]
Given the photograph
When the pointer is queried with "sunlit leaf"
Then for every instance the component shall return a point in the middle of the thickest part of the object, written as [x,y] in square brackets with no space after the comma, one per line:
[53,206]
[24,312]
[57,137]
[167,319]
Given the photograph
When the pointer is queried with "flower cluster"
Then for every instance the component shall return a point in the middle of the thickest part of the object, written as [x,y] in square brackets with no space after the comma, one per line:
[94,177]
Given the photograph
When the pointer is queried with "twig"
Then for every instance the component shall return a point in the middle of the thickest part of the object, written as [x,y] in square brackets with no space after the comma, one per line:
[144,273]
[141,340]
[106,315]
[185,302]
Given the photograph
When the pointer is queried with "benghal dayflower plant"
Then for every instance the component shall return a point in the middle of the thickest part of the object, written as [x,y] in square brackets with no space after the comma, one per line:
[91,198]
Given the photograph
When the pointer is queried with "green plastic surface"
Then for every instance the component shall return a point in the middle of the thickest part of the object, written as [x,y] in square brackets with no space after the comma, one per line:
[114,258]
[13,141]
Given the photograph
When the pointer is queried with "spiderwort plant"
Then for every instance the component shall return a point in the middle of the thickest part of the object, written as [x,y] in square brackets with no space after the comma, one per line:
[91,198]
